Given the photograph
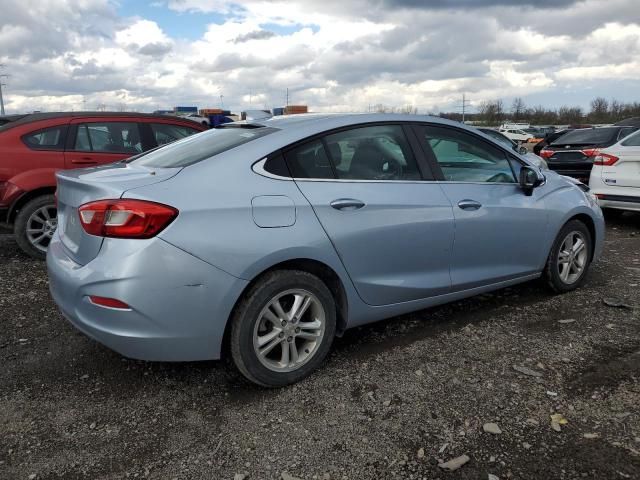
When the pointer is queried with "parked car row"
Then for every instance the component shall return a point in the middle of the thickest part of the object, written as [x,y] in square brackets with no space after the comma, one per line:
[605,158]
[34,147]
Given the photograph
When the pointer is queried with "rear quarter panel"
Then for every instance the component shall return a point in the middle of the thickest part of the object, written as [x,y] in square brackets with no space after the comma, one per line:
[217,225]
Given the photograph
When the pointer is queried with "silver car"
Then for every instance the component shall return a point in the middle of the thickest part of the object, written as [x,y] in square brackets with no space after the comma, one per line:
[268,238]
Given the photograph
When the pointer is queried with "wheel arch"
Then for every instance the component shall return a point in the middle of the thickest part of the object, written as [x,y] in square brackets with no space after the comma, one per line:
[591,226]
[315,267]
[25,198]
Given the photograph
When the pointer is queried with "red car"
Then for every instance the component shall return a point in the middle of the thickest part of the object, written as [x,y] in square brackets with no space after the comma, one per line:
[34,147]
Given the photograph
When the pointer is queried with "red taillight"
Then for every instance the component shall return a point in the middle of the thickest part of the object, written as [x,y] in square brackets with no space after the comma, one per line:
[108,302]
[605,159]
[544,153]
[590,152]
[125,218]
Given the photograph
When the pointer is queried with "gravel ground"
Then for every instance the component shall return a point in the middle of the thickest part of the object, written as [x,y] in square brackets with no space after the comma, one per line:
[394,399]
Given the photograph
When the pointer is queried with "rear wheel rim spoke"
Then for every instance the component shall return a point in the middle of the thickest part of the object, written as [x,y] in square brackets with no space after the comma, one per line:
[572,257]
[41,225]
[289,330]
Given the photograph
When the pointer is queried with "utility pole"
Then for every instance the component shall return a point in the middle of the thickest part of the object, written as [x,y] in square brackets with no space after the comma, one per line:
[287,100]
[464,105]
[2,75]
[1,99]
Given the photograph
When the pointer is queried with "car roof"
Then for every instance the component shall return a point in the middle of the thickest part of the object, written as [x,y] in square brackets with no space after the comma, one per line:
[321,122]
[35,117]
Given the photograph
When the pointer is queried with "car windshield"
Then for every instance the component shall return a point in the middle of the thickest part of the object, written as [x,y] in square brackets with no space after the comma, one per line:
[587,136]
[199,147]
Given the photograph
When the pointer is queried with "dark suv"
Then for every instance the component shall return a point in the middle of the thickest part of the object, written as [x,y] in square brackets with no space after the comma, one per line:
[573,153]
[34,147]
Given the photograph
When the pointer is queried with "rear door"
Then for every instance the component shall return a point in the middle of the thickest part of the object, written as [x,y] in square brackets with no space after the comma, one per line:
[391,226]
[626,171]
[98,141]
[499,231]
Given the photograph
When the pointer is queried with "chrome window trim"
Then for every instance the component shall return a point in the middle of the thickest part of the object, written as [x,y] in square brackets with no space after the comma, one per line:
[258,168]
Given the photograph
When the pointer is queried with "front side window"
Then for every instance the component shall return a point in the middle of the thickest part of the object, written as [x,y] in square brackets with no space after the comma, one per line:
[166,133]
[47,139]
[465,158]
[108,137]
[372,153]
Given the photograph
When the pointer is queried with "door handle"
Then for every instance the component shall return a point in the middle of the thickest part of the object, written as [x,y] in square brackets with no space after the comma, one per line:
[347,204]
[469,204]
[84,160]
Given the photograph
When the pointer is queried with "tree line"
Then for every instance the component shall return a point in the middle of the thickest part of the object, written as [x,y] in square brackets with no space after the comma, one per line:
[494,112]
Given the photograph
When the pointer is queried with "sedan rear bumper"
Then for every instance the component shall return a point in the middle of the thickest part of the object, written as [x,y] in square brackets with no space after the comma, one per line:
[179,304]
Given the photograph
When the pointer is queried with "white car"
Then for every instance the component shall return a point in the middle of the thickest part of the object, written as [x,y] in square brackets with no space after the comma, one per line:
[516,134]
[615,178]
[198,118]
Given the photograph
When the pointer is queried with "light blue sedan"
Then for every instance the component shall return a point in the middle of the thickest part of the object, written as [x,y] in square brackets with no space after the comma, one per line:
[267,239]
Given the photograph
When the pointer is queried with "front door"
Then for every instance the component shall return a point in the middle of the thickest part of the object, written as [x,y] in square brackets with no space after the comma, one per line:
[392,229]
[499,231]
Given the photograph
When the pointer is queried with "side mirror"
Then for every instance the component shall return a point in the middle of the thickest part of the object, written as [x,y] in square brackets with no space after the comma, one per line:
[529,179]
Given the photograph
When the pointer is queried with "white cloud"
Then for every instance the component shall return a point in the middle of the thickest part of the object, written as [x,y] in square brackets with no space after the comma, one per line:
[331,54]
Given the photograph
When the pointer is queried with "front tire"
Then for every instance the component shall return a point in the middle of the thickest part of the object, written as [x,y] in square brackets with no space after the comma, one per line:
[35,224]
[282,328]
[570,257]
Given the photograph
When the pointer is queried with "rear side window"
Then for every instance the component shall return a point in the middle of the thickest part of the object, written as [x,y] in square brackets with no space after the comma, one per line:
[309,161]
[108,137]
[372,153]
[166,133]
[196,148]
[47,139]
[632,140]
[625,131]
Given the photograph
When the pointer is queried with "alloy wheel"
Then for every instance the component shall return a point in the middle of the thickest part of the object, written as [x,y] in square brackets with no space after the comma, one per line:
[289,330]
[572,257]
[41,225]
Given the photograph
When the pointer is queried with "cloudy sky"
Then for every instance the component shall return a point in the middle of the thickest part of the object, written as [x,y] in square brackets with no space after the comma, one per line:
[334,55]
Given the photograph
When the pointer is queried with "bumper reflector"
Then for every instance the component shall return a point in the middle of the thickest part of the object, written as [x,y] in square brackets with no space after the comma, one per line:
[108,302]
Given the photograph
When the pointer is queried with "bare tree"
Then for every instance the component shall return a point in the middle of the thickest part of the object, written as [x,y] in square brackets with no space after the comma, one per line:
[570,115]
[491,111]
[599,110]
[518,108]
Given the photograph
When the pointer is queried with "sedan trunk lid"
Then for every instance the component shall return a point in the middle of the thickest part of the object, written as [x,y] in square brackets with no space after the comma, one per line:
[77,187]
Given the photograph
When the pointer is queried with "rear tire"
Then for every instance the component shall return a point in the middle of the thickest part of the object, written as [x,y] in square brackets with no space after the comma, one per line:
[34,226]
[282,328]
[570,257]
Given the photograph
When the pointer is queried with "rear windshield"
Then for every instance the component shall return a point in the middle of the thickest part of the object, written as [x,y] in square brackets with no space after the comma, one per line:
[201,146]
[587,136]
